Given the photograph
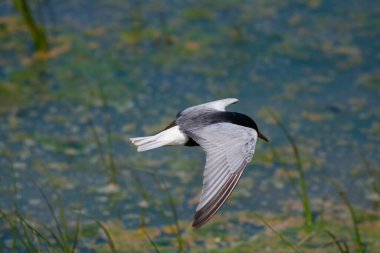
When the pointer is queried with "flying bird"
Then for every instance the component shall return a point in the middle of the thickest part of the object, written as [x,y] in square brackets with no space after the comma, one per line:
[229,140]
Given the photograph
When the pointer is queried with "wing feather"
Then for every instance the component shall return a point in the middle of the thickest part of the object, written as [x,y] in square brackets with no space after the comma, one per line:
[203,215]
[229,148]
[218,105]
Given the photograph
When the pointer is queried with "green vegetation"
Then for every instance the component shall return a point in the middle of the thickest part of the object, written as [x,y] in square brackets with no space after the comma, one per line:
[105,150]
[346,200]
[303,192]
[173,219]
[37,31]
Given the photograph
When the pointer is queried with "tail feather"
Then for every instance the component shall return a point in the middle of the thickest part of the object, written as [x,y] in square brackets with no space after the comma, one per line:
[171,136]
[143,140]
[147,143]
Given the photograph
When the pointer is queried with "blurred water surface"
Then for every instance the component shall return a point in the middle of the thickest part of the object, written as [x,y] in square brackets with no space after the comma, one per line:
[119,69]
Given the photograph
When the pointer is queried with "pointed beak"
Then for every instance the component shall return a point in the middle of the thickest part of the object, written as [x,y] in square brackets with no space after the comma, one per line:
[261,136]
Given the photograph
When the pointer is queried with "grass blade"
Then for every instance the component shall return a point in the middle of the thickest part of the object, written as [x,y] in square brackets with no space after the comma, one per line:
[338,243]
[28,240]
[60,238]
[38,33]
[301,175]
[174,213]
[9,158]
[16,233]
[105,150]
[291,179]
[149,198]
[107,120]
[111,244]
[375,188]
[109,238]
[294,247]
[344,197]
[63,225]
[76,232]
[142,227]
[36,232]
[98,143]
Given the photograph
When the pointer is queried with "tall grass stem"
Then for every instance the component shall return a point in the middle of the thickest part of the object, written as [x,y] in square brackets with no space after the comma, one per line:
[354,219]
[294,247]
[37,32]
[301,175]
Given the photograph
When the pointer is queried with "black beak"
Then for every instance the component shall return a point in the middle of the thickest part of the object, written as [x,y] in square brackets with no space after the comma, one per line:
[261,136]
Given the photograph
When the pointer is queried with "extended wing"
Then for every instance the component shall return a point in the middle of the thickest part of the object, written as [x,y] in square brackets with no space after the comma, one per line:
[229,148]
[218,105]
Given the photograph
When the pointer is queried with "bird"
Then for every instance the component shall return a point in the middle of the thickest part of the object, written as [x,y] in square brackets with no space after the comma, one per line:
[229,140]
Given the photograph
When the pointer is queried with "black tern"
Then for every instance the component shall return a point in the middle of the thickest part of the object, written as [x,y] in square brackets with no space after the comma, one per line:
[229,140]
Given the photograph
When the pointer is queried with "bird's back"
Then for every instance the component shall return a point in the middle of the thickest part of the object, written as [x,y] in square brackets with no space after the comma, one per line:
[201,118]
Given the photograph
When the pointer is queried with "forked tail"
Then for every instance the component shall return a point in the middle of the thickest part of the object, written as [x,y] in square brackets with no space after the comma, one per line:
[171,136]
[147,143]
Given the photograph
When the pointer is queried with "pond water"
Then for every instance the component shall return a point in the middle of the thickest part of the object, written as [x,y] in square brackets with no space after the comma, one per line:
[120,69]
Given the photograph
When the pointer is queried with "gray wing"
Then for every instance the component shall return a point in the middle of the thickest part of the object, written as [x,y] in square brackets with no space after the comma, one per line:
[218,105]
[229,148]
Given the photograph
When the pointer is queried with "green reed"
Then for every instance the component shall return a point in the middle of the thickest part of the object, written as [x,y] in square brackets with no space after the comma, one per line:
[342,245]
[107,120]
[374,184]
[34,236]
[37,31]
[110,242]
[174,213]
[354,219]
[302,192]
[150,240]
[63,236]
[294,247]
[106,152]
[149,198]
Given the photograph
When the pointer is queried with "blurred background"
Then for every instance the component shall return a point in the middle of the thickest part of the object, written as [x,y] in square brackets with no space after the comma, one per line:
[79,78]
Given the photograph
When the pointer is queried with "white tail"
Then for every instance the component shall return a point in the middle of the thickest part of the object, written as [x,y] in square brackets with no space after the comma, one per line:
[171,136]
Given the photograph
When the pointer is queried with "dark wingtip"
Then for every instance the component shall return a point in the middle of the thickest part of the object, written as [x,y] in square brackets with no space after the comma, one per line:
[197,222]
[203,215]
[195,225]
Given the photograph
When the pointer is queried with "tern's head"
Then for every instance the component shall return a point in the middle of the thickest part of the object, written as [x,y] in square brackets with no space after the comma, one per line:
[246,121]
